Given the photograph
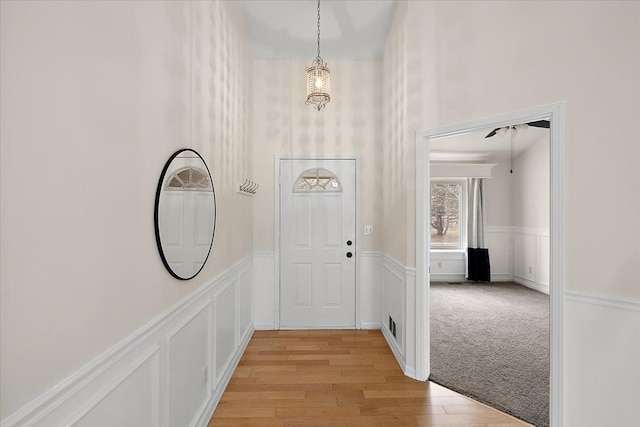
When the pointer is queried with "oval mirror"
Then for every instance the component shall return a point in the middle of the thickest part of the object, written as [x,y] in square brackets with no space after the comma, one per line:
[185,214]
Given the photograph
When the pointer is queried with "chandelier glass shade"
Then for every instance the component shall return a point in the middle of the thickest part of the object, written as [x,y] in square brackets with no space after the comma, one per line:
[318,78]
[318,84]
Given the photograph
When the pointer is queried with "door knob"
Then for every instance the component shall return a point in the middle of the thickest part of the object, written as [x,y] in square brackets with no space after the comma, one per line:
[349,242]
[349,254]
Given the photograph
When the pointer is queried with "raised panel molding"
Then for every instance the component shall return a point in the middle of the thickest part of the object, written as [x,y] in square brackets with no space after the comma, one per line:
[394,304]
[524,251]
[370,291]
[245,303]
[110,389]
[517,254]
[225,327]
[447,266]
[531,258]
[500,243]
[111,398]
[265,292]
[188,350]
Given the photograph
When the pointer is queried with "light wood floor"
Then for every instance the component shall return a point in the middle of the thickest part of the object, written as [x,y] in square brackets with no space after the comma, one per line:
[338,378]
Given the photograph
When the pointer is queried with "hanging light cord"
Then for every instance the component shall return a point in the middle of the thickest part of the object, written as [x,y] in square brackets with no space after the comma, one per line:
[513,134]
[318,57]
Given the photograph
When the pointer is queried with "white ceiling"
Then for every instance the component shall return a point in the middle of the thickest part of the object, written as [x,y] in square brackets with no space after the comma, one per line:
[474,147]
[287,29]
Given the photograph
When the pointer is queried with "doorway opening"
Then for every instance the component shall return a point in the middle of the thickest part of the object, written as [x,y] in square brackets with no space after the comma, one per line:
[424,140]
[489,304]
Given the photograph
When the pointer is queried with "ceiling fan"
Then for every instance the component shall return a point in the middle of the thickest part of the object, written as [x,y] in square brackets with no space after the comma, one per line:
[514,129]
[537,124]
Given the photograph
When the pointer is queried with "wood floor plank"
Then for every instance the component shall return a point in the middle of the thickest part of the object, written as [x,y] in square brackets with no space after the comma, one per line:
[297,394]
[431,419]
[345,411]
[341,378]
[378,421]
[246,422]
[403,410]
[281,403]
[240,412]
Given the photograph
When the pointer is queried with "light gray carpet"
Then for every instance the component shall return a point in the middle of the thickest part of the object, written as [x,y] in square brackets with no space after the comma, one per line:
[490,341]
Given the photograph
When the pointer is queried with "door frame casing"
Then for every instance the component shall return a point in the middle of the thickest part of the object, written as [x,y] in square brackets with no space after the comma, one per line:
[557,273]
[358,235]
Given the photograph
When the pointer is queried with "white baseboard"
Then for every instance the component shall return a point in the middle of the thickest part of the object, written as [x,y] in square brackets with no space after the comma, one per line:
[397,293]
[371,325]
[265,327]
[501,277]
[139,368]
[540,287]
[447,278]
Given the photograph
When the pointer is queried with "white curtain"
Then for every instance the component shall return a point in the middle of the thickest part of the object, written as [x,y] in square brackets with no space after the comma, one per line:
[476,222]
[478,266]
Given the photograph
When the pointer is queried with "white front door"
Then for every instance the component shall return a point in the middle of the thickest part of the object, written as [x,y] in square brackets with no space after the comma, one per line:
[317,243]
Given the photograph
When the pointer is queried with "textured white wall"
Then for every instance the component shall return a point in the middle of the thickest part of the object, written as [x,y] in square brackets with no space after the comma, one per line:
[530,197]
[489,60]
[350,124]
[95,96]
[497,192]
[492,58]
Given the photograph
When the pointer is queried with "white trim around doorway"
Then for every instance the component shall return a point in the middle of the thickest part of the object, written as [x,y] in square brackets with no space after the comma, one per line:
[276,186]
[555,113]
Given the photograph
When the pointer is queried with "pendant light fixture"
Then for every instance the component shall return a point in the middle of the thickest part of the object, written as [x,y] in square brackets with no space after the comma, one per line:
[318,78]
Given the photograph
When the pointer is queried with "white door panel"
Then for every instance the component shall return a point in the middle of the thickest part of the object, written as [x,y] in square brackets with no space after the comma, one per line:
[186,237]
[317,281]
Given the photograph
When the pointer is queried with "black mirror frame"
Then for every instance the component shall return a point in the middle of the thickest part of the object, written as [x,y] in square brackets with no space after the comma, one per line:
[156,222]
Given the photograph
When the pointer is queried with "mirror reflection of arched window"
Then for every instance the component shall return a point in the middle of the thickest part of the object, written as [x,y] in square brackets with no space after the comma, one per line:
[185,214]
[189,178]
[317,180]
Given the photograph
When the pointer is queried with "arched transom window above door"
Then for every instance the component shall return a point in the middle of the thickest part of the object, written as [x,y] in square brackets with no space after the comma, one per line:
[189,178]
[317,180]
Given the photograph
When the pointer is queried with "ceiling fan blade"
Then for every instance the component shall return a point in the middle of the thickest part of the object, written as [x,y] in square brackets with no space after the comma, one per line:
[540,124]
[493,132]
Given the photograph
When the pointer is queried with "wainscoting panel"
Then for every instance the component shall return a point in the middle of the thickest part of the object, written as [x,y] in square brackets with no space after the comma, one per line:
[393,295]
[516,254]
[450,266]
[525,256]
[370,289]
[447,266]
[161,375]
[188,350]
[225,327]
[531,258]
[116,407]
[264,290]
[601,369]
[499,241]
[544,254]
[245,304]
